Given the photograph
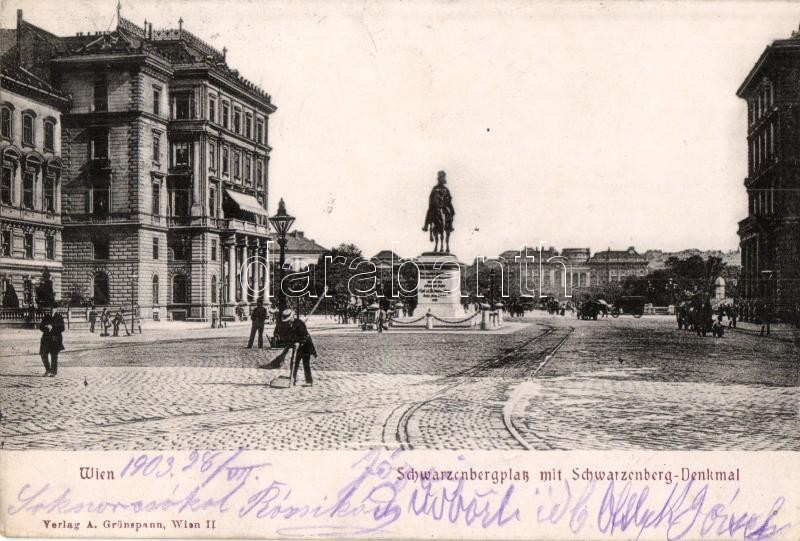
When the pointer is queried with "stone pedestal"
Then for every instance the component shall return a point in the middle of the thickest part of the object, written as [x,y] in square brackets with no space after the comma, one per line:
[439,288]
[439,294]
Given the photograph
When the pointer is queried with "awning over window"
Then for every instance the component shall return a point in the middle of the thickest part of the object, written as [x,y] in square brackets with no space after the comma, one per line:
[247,203]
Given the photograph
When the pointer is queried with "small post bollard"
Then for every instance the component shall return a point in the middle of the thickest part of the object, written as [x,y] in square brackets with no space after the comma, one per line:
[484,317]
[429,320]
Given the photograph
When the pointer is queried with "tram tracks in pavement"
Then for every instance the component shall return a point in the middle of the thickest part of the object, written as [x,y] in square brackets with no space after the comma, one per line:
[396,430]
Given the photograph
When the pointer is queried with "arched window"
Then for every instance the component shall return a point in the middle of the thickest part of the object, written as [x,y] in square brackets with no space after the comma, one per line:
[180,289]
[27,128]
[49,134]
[213,290]
[6,124]
[155,289]
[102,295]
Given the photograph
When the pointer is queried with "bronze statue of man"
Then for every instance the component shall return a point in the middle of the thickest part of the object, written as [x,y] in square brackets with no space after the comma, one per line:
[439,218]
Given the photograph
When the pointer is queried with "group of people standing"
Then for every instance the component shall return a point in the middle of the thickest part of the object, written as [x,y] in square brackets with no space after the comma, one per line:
[107,320]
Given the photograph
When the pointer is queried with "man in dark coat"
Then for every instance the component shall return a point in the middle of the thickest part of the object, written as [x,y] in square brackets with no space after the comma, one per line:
[304,345]
[51,343]
[257,319]
[92,318]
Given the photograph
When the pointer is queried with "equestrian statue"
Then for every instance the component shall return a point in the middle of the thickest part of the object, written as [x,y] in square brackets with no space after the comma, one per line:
[439,218]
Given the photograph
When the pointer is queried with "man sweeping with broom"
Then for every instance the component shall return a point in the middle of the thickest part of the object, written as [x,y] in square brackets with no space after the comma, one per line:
[297,333]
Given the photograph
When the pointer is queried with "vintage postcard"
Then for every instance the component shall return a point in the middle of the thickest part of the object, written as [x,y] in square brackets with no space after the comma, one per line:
[407,270]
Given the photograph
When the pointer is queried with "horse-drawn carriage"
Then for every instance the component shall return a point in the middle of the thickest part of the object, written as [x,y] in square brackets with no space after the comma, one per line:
[590,309]
[628,304]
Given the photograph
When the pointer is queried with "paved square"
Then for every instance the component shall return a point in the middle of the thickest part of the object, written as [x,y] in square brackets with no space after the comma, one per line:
[611,384]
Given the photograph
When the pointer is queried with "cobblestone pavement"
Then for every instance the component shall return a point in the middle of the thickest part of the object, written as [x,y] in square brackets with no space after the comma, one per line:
[613,384]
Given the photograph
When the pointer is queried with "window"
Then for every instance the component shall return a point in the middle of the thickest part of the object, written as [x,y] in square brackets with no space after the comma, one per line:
[27,129]
[237,164]
[213,290]
[260,130]
[180,289]
[28,245]
[6,184]
[225,161]
[156,100]
[260,173]
[50,247]
[101,199]
[156,203]
[155,289]
[155,247]
[100,95]
[248,125]
[184,106]
[181,249]
[213,250]
[50,194]
[237,119]
[99,144]
[247,177]
[49,135]
[182,154]
[212,156]
[212,108]
[27,190]
[212,202]
[6,247]
[102,293]
[156,147]
[225,113]
[180,202]
[101,249]
[5,121]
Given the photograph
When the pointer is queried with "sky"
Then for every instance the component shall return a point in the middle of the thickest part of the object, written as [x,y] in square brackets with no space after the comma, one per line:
[604,124]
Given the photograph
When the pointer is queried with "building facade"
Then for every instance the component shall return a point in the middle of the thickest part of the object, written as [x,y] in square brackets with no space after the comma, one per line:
[166,154]
[770,234]
[30,185]
[557,274]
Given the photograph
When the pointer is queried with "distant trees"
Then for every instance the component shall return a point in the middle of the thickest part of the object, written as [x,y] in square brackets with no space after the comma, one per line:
[45,296]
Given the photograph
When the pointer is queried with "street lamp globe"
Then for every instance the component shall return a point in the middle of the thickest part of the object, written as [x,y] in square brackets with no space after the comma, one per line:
[281,221]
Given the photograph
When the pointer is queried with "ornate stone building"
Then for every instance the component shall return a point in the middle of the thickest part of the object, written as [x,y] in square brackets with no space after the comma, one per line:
[165,187]
[576,267]
[30,184]
[770,235]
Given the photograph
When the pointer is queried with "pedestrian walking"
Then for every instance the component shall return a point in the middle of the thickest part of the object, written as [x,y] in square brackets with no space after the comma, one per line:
[380,319]
[257,319]
[303,344]
[766,318]
[51,343]
[734,314]
[105,321]
[92,318]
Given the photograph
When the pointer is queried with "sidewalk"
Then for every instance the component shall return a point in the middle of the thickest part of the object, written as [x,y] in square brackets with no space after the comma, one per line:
[778,331]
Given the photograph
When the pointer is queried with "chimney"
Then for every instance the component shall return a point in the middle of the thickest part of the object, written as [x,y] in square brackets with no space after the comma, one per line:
[224,52]
[151,32]
[19,37]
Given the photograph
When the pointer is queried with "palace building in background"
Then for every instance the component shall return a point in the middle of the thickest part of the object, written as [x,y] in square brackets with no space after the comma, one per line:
[770,235]
[164,188]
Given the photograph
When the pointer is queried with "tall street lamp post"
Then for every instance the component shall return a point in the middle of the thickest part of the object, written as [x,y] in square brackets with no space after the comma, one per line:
[281,222]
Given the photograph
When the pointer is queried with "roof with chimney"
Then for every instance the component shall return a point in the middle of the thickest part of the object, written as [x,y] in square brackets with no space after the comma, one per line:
[790,45]
[618,256]
[18,79]
[297,242]
[174,46]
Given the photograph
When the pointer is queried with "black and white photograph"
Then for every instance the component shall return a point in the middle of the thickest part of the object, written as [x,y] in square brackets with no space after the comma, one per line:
[560,238]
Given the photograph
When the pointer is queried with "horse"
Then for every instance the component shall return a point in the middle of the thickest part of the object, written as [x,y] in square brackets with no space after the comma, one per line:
[440,231]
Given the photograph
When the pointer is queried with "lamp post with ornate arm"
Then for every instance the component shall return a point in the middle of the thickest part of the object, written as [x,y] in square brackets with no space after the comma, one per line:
[281,222]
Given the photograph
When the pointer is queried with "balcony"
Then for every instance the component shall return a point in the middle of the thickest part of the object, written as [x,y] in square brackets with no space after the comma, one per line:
[100,164]
[181,170]
[29,215]
[241,226]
